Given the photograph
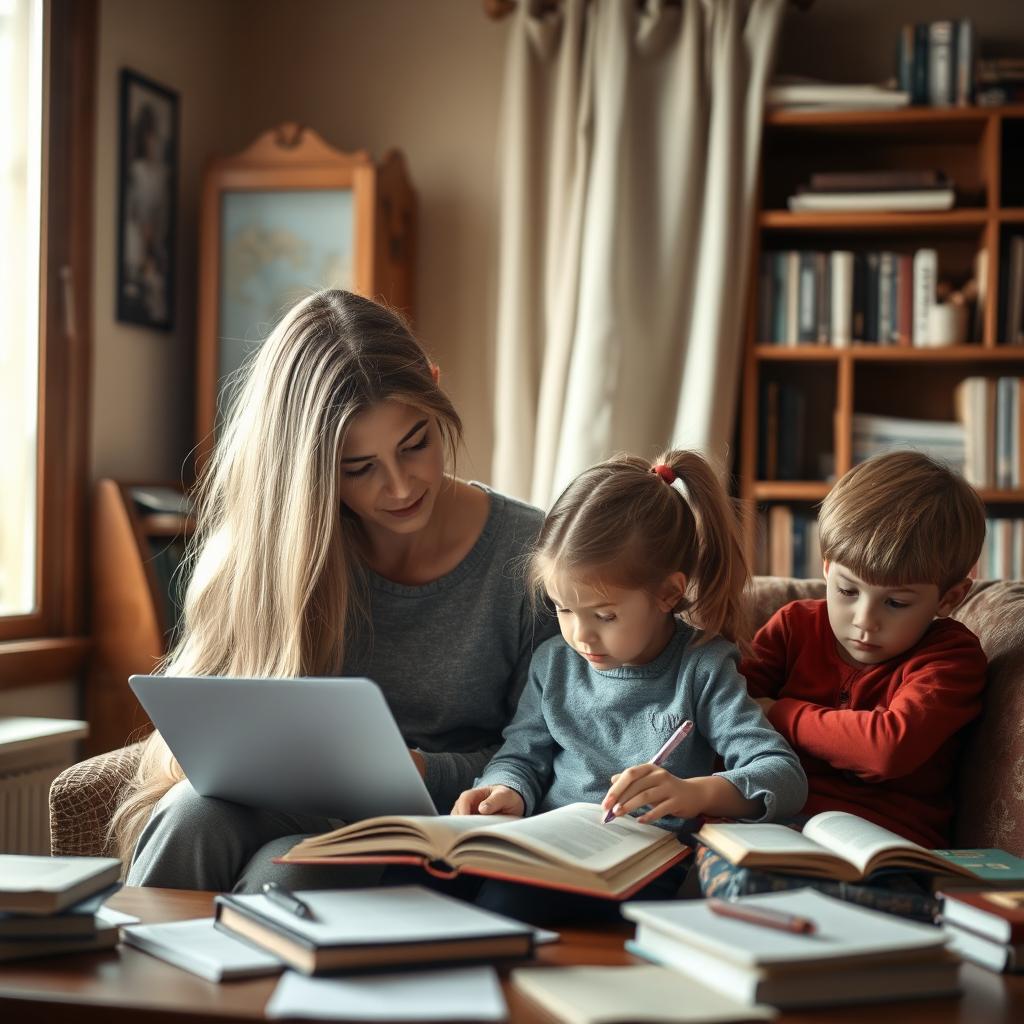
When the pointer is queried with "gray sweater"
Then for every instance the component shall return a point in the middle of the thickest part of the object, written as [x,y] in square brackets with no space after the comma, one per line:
[577,725]
[451,656]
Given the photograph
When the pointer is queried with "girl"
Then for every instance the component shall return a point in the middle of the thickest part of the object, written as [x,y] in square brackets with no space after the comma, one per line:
[625,550]
[332,541]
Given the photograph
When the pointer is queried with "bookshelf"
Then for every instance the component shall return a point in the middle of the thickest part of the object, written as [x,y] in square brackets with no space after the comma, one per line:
[139,532]
[981,149]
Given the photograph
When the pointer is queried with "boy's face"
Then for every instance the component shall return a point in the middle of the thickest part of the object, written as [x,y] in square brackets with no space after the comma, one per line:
[873,624]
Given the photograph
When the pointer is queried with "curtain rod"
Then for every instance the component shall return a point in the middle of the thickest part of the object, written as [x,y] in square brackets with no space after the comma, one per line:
[500,8]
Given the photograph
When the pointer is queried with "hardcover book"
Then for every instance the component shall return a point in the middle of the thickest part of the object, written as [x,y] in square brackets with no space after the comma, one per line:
[568,848]
[833,844]
[356,929]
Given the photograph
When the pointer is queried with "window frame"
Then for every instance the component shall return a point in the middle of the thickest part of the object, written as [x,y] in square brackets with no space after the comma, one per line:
[49,642]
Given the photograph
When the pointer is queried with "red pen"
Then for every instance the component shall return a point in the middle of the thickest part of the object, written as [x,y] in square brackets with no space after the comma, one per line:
[766,917]
[666,748]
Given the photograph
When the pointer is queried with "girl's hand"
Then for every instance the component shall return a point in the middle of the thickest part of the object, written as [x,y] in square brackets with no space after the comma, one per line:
[490,800]
[420,762]
[766,703]
[649,784]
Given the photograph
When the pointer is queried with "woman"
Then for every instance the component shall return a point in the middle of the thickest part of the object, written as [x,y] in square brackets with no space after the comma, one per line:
[332,541]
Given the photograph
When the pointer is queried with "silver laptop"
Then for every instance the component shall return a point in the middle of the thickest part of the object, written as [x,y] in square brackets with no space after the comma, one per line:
[321,746]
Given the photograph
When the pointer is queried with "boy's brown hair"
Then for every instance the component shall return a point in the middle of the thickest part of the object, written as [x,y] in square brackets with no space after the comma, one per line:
[901,517]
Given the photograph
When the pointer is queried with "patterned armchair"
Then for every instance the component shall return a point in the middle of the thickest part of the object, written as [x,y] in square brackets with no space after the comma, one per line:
[990,787]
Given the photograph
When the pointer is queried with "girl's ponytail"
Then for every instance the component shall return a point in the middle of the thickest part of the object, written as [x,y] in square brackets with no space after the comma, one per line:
[719,575]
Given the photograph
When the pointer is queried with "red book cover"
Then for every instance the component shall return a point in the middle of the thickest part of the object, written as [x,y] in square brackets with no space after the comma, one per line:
[996,915]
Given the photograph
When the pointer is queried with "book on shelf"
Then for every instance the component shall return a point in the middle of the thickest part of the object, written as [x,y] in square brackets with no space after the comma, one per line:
[1002,553]
[806,93]
[792,547]
[839,297]
[893,180]
[935,62]
[854,955]
[357,929]
[1011,319]
[833,844]
[38,885]
[995,915]
[200,948]
[622,995]
[566,848]
[944,441]
[918,200]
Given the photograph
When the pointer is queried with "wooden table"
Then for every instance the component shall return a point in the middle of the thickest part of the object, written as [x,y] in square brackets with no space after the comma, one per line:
[130,985]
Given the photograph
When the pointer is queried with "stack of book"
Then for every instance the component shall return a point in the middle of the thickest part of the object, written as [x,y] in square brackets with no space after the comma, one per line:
[935,63]
[835,298]
[987,927]
[853,955]
[999,80]
[989,408]
[875,191]
[795,93]
[944,441]
[51,905]
[1002,554]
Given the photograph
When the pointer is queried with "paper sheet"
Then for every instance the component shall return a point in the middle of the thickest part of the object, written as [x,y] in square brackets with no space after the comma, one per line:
[459,993]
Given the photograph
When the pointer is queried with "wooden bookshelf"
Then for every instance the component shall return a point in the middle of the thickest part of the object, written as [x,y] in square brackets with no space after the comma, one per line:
[980,149]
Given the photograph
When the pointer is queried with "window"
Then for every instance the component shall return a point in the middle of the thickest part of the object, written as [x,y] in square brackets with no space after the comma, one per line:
[47,57]
[21,141]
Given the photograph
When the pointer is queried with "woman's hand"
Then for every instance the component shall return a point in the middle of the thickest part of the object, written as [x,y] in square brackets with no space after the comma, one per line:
[420,761]
[490,800]
[649,784]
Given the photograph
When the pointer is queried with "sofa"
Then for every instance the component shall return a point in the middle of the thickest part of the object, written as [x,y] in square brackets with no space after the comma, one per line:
[990,780]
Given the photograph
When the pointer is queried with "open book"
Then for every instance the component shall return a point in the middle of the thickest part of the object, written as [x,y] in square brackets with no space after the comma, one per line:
[834,844]
[567,848]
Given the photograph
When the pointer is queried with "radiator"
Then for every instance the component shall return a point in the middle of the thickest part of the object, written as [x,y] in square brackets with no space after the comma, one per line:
[25,808]
[33,752]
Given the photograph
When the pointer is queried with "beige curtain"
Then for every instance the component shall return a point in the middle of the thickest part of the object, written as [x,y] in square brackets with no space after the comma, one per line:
[629,149]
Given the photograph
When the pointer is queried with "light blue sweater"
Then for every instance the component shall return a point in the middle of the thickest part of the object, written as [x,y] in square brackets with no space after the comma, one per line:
[577,725]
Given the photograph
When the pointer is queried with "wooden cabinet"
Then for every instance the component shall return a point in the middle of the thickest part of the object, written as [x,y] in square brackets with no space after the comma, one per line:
[283,218]
[981,150]
[139,534]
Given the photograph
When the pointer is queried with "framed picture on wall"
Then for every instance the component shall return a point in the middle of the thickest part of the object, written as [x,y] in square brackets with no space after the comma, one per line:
[147,202]
[285,217]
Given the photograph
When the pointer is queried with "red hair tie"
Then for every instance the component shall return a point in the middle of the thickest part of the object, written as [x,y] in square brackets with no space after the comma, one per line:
[668,474]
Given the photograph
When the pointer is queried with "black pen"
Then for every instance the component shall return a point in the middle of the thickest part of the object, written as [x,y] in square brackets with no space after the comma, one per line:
[286,898]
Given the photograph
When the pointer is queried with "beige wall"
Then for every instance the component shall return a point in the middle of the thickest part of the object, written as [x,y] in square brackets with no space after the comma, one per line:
[142,405]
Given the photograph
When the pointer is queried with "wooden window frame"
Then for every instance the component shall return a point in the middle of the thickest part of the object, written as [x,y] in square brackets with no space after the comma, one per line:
[49,643]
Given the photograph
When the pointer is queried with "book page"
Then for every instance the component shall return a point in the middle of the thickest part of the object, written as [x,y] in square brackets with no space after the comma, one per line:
[424,836]
[855,839]
[574,834]
[771,839]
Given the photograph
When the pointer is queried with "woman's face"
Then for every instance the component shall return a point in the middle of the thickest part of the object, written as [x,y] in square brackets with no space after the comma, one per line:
[392,467]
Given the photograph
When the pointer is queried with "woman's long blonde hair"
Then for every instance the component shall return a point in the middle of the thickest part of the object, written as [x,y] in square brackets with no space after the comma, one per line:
[278,577]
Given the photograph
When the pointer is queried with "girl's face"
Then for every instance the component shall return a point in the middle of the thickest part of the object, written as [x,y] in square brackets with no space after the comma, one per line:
[612,626]
[392,467]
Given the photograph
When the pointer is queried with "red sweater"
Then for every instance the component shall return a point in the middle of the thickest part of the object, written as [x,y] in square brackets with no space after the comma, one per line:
[882,740]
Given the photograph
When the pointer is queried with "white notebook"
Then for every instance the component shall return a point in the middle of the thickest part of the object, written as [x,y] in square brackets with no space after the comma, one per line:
[844,932]
[196,946]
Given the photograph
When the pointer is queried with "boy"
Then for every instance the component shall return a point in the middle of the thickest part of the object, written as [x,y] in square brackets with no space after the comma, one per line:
[873,686]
